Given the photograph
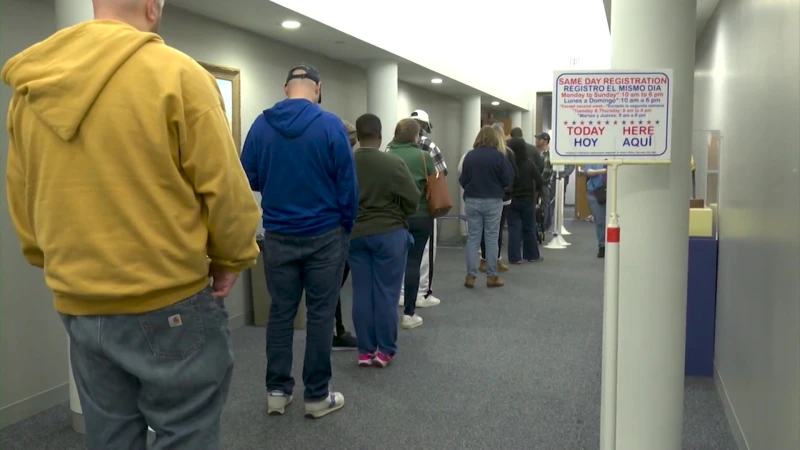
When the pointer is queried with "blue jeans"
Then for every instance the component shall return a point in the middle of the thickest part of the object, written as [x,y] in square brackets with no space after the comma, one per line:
[599,213]
[169,368]
[522,231]
[483,218]
[293,264]
[549,206]
[420,229]
[378,262]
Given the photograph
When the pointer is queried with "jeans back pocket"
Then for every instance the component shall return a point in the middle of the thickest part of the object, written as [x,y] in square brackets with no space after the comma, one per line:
[177,331]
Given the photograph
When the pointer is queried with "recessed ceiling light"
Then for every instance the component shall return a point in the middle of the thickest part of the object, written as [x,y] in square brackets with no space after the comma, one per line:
[290,24]
[495,103]
[436,81]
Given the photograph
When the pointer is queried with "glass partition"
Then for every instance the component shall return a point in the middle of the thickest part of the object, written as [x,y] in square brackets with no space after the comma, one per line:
[706,151]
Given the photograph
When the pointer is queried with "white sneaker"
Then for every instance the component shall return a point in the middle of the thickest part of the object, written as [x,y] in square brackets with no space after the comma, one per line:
[402,301]
[410,322]
[277,402]
[333,402]
[423,302]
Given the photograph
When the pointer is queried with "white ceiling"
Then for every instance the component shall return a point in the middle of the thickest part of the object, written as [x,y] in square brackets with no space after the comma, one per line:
[265,17]
[705,8]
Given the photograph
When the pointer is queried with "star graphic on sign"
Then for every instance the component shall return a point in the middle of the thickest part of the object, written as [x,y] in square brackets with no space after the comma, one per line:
[615,122]
[640,122]
[590,122]
[623,122]
[566,123]
[649,122]
[582,122]
[607,122]
[657,122]
[573,122]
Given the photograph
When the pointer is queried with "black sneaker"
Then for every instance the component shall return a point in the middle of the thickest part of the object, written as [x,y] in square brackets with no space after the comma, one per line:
[344,341]
[601,252]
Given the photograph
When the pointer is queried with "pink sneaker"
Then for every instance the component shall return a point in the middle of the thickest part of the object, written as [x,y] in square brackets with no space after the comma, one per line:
[365,359]
[382,359]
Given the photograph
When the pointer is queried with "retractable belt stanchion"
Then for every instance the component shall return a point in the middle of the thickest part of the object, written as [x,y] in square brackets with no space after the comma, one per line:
[560,211]
[563,231]
[608,397]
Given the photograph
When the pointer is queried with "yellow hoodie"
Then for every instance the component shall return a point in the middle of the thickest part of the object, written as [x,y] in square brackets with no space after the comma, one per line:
[123,180]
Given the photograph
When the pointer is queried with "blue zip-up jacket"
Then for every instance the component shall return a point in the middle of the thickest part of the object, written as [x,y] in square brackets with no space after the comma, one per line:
[299,158]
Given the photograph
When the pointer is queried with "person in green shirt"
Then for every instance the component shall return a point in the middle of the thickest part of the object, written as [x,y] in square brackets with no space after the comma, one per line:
[379,243]
[405,145]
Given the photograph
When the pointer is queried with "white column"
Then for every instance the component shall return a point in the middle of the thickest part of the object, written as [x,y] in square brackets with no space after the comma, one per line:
[470,125]
[68,13]
[382,95]
[527,126]
[516,118]
[654,227]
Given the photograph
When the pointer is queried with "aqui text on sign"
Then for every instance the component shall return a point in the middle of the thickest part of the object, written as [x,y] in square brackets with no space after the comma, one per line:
[612,114]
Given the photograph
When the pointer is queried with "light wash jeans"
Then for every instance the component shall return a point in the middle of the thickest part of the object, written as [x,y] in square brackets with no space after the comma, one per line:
[599,213]
[483,218]
[169,368]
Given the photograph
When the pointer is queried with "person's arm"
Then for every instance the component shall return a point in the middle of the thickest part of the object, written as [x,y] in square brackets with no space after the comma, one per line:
[404,187]
[514,168]
[251,156]
[506,173]
[463,177]
[346,183]
[211,163]
[594,171]
[537,178]
[17,205]
[438,159]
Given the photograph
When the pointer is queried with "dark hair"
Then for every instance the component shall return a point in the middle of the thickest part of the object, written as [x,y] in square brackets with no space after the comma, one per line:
[517,145]
[516,132]
[406,131]
[368,126]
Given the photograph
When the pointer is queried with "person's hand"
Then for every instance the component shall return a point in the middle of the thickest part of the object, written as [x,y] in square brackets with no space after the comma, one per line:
[222,281]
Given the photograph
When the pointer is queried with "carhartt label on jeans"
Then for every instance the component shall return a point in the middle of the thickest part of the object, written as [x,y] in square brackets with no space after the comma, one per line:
[175,321]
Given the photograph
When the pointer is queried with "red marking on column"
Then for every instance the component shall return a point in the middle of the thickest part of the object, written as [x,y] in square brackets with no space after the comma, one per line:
[612,235]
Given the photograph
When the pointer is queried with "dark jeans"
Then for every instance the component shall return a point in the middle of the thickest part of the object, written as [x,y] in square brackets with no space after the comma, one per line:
[420,229]
[293,264]
[339,323]
[169,368]
[522,231]
[378,262]
[503,218]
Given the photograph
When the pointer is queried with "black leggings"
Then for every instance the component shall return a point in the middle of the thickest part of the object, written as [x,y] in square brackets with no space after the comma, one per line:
[499,237]
[339,324]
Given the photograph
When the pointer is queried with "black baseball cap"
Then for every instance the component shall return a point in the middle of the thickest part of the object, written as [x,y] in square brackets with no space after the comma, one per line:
[544,136]
[311,73]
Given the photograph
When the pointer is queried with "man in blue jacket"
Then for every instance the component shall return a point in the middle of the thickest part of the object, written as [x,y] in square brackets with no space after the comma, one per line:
[299,158]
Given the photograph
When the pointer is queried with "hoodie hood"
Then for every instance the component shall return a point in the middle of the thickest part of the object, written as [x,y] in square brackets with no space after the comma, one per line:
[292,116]
[61,77]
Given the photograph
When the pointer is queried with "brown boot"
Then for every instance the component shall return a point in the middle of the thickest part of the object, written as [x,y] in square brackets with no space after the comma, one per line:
[469,282]
[482,265]
[501,267]
[494,281]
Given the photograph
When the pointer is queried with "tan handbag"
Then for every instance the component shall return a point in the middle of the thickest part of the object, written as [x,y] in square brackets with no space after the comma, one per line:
[436,192]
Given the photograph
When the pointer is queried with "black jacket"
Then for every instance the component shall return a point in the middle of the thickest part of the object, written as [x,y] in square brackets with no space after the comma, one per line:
[513,160]
[528,176]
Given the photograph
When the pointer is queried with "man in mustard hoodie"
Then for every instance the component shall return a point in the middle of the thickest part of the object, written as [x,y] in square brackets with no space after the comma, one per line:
[125,186]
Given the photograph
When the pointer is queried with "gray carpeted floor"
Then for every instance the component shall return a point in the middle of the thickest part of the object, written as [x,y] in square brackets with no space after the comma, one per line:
[514,368]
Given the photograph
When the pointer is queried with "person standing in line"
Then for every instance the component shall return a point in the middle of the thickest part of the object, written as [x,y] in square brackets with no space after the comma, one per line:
[127,257]
[485,176]
[379,243]
[342,340]
[543,144]
[299,158]
[501,267]
[533,153]
[420,224]
[425,298]
[596,194]
[521,214]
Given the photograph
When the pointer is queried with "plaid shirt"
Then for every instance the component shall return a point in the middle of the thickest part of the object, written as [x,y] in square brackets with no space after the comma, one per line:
[427,145]
[547,172]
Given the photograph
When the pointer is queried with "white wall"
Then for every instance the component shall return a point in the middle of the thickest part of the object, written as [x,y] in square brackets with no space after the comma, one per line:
[746,86]
[445,114]
[33,361]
